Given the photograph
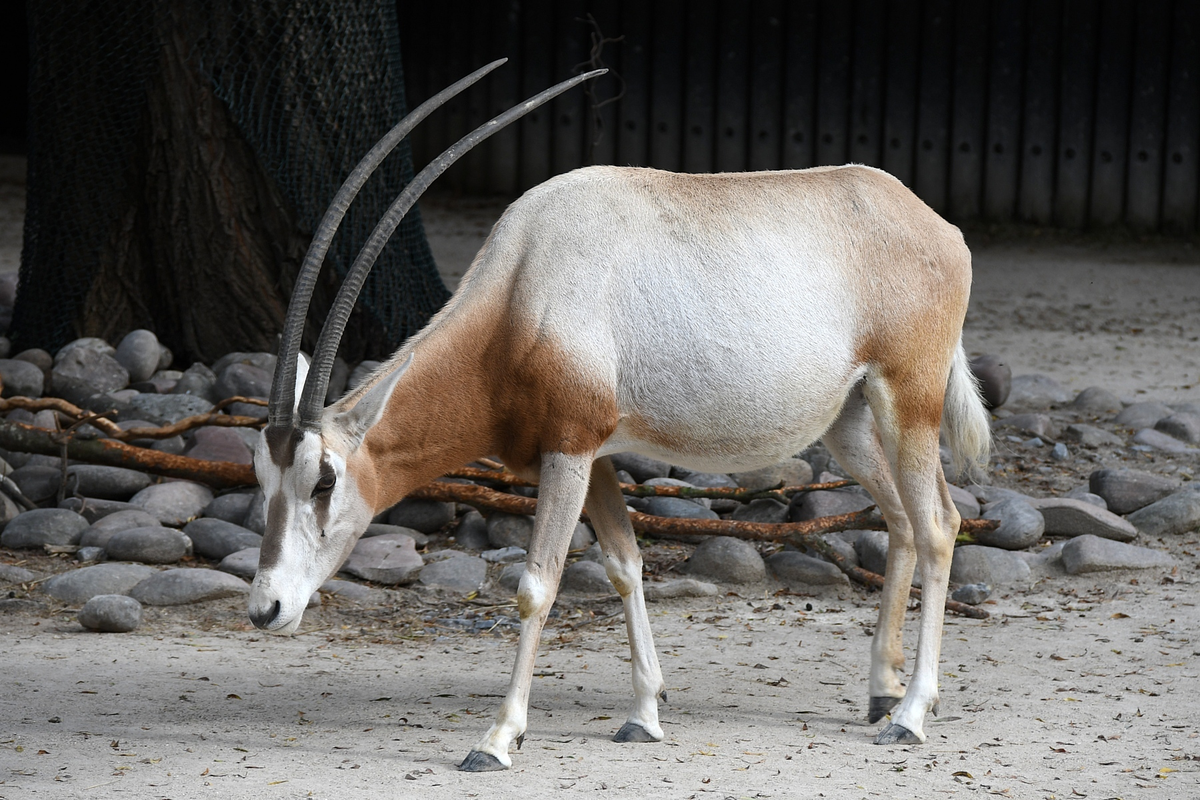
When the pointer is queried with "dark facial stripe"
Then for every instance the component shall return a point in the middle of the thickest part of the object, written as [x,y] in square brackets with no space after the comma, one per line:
[281,444]
[272,543]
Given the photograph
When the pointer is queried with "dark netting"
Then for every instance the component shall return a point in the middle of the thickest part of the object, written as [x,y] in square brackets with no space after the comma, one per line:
[311,85]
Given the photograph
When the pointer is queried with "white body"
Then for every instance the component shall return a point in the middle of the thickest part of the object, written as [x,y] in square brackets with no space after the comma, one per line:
[719,322]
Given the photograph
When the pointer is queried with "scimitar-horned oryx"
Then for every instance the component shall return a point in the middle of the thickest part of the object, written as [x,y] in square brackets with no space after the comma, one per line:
[719,322]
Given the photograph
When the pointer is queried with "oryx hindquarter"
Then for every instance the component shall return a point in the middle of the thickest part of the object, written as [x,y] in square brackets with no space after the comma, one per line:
[718,322]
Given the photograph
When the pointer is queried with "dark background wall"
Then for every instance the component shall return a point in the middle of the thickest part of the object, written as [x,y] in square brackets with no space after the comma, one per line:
[1075,113]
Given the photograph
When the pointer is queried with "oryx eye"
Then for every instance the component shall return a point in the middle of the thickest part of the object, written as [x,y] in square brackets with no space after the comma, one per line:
[324,483]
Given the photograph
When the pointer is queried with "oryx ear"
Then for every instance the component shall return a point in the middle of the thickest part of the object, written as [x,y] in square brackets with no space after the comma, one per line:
[302,362]
[367,412]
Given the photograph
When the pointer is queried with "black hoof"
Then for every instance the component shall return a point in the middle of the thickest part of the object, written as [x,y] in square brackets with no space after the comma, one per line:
[663,695]
[896,734]
[633,733]
[880,706]
[480,762]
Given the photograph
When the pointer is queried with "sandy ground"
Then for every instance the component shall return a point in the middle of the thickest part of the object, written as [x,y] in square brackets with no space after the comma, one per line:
[1078,687]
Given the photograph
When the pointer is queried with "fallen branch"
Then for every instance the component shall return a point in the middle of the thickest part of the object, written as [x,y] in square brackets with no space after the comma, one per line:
[109,428]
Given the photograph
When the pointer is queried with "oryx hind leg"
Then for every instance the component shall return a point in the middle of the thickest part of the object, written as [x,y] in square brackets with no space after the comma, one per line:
[853,439]
[623,562]
[563,485]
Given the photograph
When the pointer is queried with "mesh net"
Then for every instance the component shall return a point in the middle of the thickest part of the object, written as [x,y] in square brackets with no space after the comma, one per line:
[311,86]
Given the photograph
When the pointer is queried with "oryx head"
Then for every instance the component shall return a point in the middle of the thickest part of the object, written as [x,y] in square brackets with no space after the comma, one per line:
[306,459]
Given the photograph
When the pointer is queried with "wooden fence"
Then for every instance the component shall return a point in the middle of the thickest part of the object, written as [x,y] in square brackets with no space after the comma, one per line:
[1072,113]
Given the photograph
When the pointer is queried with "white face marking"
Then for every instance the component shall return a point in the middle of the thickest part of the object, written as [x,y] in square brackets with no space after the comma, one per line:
[309,531]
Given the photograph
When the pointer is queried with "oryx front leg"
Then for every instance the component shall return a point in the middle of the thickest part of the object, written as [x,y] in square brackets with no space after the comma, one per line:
[563,485]
[623,562]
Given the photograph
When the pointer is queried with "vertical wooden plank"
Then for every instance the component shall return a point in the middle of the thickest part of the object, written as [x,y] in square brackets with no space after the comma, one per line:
[900,100]
[765,124]
[933,112]
[633,111]
[968,125]
[866,91]
[1111,137]
[700,82]
[1147,114]
[1076,112]
[1005,69]
[570,109]
[504,91]
[833,82]
[667,94]
[1039,130]
[1180,177]
[476,163]
[600,143]
[733,83]
[537,67]
[799,84]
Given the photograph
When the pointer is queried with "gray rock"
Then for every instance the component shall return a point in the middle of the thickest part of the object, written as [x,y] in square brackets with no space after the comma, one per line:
[242,380]
[1097,401]
[701,501]
[1037,391]
[642,468]
[584,578]
[21,379]
[798,570]
[174,587]
[1065,516]
[167,409]
[173,503]
[1176,513]
[94,509]
[38,483]
[1060,452]
[81,585]
[843,543]
[92,343]
[215,538]
[90,555]
[1142,415]
[263,361]
[1157,440]
[14,574]
[790,472]
[464,574]
[111,613]
[763,510]
[104,528]
[243,563]
[256,513]
[197,381]
[355,592]
[995,379]
[723,559]
[1091,436]
[505,555]
[43,526]
[338,376]
[972,594]
[1021,525]
[978,564]
[426,516]
[1085,554]
[8,510]
[472,531]
[1187,408]
[360,373]
[811,505]
[509,530]
[139,353]
[872,549]
[1184,427]
[678,508]
[1084,493]
[84,367]
[390,559]
[582,538]
[157,545]
[382,529]
[1127,490]
[1046,562]
[993,494]
[964,501]
[219,444]
[680,587]
[1030,424]
[106,483]
[510,576]
[231,507]
[707,480]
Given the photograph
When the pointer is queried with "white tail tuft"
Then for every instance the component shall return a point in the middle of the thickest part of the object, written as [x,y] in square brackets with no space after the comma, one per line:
[965,422]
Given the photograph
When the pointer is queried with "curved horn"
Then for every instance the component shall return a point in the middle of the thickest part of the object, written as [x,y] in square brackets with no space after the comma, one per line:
[312,401]
[283,388]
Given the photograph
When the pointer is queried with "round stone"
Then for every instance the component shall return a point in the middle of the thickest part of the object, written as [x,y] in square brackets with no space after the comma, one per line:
[678,508]
[215,538]
[218,444]
[1097,401]
[390,559]
[173,503]
[995,379]
[1127,490]
[1021,525]
[106,483]
[174,587]
[724,559]
[81,585]
[231,507]
[463,574]
[242,380]
[88,371]
[38,483]
[103,529]
[642,468]
[42,526]
[972,594]
[21,379]
[762,510]
[509,530]
[585,577]
[426,516]
[472,532]
[197,381]
[139,353]
[790,472]
[797,569]
[991,565]
[111,613]
[243,563]
[383,529]
[157,545]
